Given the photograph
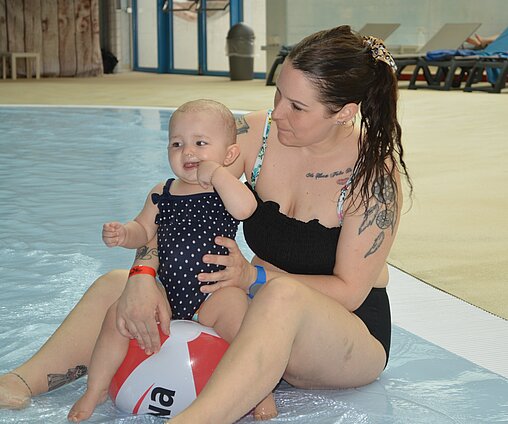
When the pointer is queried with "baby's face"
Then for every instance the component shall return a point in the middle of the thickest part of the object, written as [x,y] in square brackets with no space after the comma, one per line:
[194,137]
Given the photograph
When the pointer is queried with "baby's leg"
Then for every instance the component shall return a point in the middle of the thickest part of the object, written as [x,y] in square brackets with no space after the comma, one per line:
[224,311]
[107,356]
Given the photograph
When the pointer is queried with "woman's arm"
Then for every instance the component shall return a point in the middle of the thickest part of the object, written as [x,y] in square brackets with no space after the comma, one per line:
[142,304]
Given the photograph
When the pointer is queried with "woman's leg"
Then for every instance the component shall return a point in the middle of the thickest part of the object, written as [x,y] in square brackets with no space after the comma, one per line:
[68,348]
[290,331]
[107,356]
[224,311]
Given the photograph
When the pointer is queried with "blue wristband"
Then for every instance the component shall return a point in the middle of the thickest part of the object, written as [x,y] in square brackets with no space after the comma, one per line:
[260,280]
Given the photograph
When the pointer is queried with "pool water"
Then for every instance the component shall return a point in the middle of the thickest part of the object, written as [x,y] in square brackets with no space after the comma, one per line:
[66,171]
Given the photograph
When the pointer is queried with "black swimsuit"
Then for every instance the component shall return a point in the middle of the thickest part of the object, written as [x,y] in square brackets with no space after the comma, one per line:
[187,227]
[299,247]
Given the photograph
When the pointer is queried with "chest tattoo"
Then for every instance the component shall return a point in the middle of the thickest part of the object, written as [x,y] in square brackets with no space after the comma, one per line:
[323,175]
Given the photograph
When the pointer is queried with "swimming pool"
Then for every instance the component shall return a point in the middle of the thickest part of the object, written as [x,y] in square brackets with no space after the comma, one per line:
[66,171]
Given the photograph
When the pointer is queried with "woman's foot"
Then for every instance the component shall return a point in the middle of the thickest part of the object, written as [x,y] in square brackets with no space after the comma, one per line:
[266,409]
[84,407]
[14,392]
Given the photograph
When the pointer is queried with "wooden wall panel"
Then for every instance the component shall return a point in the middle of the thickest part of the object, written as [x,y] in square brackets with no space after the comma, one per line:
[83,37]
[97,68]
[66,37]
[16,30]
[33,27]
[50,54]
[3,27]
[65,32]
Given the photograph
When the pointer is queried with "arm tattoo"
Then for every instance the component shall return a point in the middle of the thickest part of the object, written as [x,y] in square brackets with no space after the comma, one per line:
[383,213]
[144,253]
[58,380]
[386,193]
[385,219]
[369,217]
[241,125]
[376,245]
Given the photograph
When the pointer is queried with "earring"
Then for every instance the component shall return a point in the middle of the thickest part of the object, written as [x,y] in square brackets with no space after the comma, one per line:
[341,122]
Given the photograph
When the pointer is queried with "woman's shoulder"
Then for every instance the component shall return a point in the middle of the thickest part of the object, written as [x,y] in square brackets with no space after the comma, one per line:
[250,137]
[251,121]
[250,128]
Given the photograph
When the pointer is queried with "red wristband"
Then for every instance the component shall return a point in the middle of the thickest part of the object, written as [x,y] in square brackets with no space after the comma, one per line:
[141,269]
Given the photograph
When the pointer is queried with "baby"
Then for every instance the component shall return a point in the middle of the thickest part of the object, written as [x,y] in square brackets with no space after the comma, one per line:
[186,214]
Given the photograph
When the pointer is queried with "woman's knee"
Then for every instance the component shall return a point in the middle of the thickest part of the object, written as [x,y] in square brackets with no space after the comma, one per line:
[107,288]
[283,292]
[116,277]
[112,281]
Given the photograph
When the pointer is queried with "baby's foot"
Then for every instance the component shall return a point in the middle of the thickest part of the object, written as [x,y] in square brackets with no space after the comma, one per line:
[14,393]
[266,409]
[84,407]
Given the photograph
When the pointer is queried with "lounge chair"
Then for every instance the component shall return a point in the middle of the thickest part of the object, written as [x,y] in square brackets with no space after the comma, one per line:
[488,63]
[382,31]
[471,63]
[450,36]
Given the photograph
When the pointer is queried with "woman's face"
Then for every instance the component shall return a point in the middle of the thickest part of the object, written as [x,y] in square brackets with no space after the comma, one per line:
[302,120]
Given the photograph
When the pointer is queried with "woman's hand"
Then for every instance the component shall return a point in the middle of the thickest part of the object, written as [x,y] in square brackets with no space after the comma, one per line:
[238,272]
[141,304]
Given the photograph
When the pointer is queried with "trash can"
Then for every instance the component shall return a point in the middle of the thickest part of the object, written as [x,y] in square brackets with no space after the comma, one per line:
[240,49]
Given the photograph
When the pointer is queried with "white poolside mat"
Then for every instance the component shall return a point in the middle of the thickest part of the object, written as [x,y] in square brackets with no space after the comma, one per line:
[449,322]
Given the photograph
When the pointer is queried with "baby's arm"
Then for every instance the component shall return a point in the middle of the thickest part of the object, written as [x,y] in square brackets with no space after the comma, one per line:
[238,199]
[138,232]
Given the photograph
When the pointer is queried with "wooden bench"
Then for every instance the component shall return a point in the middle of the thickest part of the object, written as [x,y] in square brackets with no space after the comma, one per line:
[28,56]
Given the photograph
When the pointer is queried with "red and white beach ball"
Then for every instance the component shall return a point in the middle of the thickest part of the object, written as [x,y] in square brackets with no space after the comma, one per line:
[167,382]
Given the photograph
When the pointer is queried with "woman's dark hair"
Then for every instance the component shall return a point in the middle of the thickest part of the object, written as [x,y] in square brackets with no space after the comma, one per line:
[341,66]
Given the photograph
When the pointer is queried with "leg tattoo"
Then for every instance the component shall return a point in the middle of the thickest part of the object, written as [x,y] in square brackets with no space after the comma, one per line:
[58,380]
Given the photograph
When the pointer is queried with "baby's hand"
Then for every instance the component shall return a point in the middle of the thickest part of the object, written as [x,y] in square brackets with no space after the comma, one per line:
[205,172]
[113,234]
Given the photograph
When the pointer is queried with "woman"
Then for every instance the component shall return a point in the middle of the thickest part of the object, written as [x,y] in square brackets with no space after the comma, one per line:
[325,166]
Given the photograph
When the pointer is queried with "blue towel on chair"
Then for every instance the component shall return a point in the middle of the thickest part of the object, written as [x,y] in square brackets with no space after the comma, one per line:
[449,54]
[492,73]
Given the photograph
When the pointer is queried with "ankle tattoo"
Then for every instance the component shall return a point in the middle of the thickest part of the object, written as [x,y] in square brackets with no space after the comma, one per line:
[23,380]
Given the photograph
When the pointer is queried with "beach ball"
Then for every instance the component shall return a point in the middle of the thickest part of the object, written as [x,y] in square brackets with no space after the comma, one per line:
[167,382]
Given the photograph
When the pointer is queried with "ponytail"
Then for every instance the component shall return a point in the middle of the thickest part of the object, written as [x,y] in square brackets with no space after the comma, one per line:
[381,154]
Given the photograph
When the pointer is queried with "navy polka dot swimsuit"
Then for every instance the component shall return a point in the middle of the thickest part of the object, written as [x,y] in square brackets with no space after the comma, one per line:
[187,227]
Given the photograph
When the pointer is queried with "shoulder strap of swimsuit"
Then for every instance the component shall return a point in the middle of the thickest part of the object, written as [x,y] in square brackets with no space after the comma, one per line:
[261,154]
[167,186]
[342,199]
[165,191]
